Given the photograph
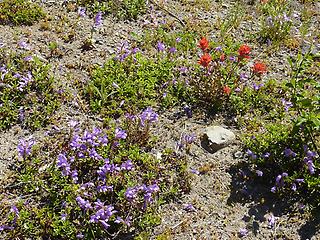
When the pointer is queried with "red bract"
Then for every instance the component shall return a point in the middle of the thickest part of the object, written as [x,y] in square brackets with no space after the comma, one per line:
[244,51]
[222,57]
[205,60]
[203,44]
[227,90]
[259,68]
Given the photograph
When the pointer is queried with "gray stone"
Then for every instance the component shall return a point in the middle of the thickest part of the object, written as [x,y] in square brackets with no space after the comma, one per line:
[216,138]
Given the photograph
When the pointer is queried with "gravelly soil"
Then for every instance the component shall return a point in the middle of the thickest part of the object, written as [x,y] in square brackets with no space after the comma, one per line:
[221,204]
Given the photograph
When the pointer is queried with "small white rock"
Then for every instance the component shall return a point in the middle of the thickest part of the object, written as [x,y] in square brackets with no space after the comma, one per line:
[217,137]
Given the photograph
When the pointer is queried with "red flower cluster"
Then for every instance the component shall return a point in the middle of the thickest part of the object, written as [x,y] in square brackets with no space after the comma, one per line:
[203,44]
[244,52]
[205,60]
[259,68]
[227,90]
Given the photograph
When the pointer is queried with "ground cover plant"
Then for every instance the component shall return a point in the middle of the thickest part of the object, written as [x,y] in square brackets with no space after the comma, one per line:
[124,9]
[101,182]
[20,12]
[27,93]
[126,157]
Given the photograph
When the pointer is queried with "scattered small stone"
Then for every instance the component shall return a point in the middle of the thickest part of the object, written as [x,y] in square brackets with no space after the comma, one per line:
[238,154]
[216,138]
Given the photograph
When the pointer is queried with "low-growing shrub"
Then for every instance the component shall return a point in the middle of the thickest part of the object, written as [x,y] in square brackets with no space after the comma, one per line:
[276,21]
[20,12]
[132,81]
[285,147]
[27,95]
[92,184]
[124,9]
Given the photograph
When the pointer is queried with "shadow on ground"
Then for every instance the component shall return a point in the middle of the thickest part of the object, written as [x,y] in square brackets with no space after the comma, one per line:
[249,189]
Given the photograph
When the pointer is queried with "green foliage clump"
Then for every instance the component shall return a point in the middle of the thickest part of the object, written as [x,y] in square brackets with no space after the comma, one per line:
[276,21]
[285,143]
[124,9]
[133,82]
[27,95]
[20,12]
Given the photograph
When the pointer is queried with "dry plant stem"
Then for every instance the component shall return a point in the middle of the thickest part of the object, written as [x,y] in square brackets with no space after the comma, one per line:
[170,13]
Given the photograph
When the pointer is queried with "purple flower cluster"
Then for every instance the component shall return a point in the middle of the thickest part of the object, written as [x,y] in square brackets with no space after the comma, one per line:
[24,147]
[102,214]
[308,159]
[289,153]
[148,116]
[84,204]
[279,182]
[125,50]
[132,193]
[286,104]
[24,80]
[3,72]
[109,168]
[98,19]
[251,154]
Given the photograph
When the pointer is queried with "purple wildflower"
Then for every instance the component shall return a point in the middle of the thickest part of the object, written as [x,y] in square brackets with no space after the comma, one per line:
[271,221]
[81,12]
[28,58]
[6,227]
[259,173]
[22,44]
[189,207]
[256,87]
[63,216]
[243,77]
[98,19]
[64,165]
[251,154]
[266,155]
[84,204]
[120,134]
[189,139]
[148,116]
[286,104]
[104,188]
[172,50]
[128,165]
[243,232]
[232,58]
[188,111]
[311,167]
[299,180]
[25,80]
[131,193]
[183,70]
[294,187]
[194,171]
[289,153]
[80,236]
[24,147]
[273,189]
[74,175]
[3,71]
[161,47]
[178,39]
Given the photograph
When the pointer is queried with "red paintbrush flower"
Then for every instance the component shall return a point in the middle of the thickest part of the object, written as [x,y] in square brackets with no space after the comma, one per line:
[244,51]
[222,57]
[227,90]
[259,68]
[203,44]
[205,60]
